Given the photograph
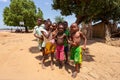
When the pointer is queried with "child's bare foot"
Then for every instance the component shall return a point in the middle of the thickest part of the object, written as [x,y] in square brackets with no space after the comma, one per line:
[66,62]
[60,65]
[43,66]
[52,68]
[74,74]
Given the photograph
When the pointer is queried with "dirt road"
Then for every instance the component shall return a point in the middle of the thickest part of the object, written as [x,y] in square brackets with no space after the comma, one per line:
[21,60]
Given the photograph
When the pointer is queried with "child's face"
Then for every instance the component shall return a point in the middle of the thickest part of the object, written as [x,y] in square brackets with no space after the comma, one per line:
[39,22]
[61,28]
[47,25]
[65,25]
[74,27]
[54,26]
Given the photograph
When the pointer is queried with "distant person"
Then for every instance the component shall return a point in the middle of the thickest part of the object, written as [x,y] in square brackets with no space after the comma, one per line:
[76,50]
[11,29]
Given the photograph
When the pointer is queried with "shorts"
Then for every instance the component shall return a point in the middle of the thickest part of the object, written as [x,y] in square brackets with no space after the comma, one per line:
[60,52]
[49,48]
[66,49]
[76,54]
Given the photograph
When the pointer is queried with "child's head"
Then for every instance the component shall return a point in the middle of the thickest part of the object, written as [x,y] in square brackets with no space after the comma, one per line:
[74,27]
[65,25]
[47,24]
[60,28]
[39,21]
[54,26]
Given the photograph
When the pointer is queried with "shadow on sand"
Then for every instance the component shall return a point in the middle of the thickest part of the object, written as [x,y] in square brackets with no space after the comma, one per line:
[46,63]
[87,56]
[70,68]
[34,40]
[39,57]
[34,49]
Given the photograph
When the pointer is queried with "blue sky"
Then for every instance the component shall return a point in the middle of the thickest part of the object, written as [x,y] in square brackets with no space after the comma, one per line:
[45,6]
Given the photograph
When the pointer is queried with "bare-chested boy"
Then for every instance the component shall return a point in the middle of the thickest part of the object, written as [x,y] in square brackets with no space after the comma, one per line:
[76,50]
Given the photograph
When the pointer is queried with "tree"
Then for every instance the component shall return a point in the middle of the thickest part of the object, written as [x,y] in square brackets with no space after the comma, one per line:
[85,10]
[59,19]
[21,10]
[39,13]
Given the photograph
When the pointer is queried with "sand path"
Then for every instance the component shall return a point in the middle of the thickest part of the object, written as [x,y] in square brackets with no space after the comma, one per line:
[21,60]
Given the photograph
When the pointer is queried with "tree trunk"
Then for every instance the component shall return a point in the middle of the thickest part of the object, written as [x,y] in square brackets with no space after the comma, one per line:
[84,29]
[114,28]
[26,29]
[107,35]
[89,30]
[79,19]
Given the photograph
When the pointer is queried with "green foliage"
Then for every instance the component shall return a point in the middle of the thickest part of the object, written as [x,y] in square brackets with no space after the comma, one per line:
[21,10]
[59,19]
[86,10]
[39,13]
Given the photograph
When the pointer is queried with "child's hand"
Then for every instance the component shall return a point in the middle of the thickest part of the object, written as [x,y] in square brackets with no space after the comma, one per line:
[69,41]
[83,48]
[40,37]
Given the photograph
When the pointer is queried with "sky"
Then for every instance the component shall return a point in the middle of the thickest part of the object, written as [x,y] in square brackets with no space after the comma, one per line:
[44,5]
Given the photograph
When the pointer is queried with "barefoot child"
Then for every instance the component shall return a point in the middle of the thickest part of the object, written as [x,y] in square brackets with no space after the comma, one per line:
[66,48]
[49,42]
[60,37]
[76,50]
[38,34]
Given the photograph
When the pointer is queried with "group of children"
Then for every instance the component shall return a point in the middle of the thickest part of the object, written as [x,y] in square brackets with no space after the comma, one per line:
[57,39]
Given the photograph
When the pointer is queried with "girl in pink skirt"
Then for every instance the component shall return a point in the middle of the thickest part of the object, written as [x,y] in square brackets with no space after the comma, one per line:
[60,37]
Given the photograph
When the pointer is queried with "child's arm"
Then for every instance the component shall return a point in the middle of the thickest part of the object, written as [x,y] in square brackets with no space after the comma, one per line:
[54,34]
[66,37]
[45,34]
[85,39]
[55,37]
[72,43]
[40,37]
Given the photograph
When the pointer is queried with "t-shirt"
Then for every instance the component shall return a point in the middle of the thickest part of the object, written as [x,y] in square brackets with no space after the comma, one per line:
[38,29]
[67,34]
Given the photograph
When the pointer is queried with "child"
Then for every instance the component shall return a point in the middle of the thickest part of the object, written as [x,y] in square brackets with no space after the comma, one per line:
[37,33]
[60,37]
[49,42]
[66,48]
[54,28]
[76,50]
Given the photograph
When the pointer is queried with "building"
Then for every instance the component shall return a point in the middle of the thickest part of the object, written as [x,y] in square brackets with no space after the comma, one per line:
[99,29]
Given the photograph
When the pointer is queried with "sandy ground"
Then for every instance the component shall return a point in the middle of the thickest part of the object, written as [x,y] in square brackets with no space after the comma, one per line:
[21,60]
